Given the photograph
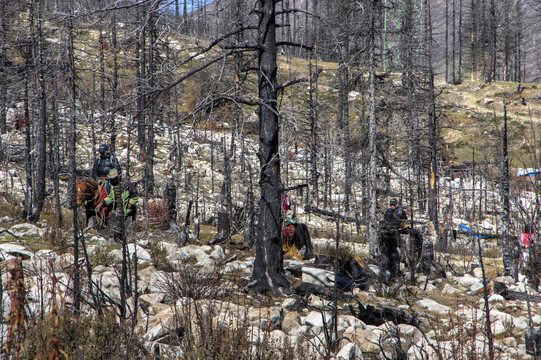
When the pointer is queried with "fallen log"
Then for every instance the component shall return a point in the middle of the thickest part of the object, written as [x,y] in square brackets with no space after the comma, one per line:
[519,295]
[294,187]
[371,315]
[335,216]
[480,234]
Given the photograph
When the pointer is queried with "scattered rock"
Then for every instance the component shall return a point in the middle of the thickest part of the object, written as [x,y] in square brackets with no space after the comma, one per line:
[433,306]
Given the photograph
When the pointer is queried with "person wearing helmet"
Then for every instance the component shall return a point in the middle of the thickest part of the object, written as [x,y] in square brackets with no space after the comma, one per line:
[105,162]
[395,216]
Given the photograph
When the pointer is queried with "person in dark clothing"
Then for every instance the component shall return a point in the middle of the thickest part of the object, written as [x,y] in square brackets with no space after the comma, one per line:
[394,216]
[105,162]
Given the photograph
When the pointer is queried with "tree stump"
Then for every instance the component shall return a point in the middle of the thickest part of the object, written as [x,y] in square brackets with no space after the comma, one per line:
[533,341]
[170,198]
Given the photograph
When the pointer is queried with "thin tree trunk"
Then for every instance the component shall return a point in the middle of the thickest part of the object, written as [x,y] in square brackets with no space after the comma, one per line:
[149,149]
[343,121]
[140,54]
[506,222]
[56,160]
[372,141]
[473,40]
[459,76]
[313,134]
[114,90]
[41,128]
[446,40]
[453,49]
[432,128]
[72,148]
[28,196]
[494,40]
[3,70]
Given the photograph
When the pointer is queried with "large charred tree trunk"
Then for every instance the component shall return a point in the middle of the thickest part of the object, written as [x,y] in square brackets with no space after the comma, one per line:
[268,274]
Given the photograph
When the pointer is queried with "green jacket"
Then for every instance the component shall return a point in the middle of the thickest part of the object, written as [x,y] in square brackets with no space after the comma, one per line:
[128,195]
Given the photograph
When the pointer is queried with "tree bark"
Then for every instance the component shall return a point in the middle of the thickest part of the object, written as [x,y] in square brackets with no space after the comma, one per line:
[41,128]
[72,148]
[140,55]
[28,196]
[504,183]
[372,141]
[3,69]
[432,129]
[268,273]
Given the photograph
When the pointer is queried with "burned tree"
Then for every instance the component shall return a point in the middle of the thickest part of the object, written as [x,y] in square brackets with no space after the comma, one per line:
[268,273]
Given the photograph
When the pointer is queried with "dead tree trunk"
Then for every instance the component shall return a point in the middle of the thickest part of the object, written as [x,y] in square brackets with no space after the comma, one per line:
[268,272]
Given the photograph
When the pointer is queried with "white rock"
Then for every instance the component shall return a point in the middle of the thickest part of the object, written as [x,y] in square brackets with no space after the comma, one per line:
[95,239]
[316,318]
[520,322]
[510,342]
[237,265]
[350,351]
[106,279]
[410,332]
[303,330]
[208,266]
[177,257]
[27,231]
[500,327]
[317,276]
[505,280]
[63,261]
[276,338]
[430,287]
[478,272]
[14,250]
[168,247]
[291,322]
[448,289]
[476,286]
[199,252]
[499,315]
[468,281]
[519,286]
[217,253]
[458,221]
[164,326]
[116,256]
[47,254]
[346,321]
[495,298]
[487,225]
[150,299]
[433,306]
[316,301]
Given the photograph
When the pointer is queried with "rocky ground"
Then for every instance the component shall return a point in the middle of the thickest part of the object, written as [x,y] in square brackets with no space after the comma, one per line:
[449,312]
[440,317]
